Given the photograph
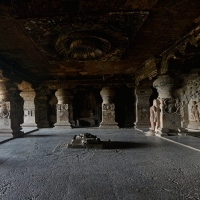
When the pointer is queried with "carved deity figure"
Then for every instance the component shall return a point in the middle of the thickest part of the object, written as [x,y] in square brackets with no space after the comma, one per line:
[194,111]
[4,112]
[154,115]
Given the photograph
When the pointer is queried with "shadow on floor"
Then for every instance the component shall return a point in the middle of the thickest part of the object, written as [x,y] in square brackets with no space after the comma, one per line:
[44,135]
[122,145]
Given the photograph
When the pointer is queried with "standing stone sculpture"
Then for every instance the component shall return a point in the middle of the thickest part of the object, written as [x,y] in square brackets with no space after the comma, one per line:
[154,118]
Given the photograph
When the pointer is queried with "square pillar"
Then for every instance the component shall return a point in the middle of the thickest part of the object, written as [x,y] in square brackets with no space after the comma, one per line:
[28,94]
[108,109]
[64,109]
[9,118]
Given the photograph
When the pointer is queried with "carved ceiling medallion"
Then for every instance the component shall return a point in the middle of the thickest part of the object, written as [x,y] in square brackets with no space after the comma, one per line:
[82,46]
[102,37]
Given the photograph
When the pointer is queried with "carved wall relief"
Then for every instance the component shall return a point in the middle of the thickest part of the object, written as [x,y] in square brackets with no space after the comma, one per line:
[5,113]
[191,101]
[171,106]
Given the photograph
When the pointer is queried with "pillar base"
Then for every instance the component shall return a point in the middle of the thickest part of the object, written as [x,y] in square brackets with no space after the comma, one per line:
[29,125]
[150,133]
[109,126]
[62,127]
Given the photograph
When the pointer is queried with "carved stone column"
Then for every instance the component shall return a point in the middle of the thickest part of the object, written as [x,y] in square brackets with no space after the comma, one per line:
[108,109]
[169,119]
[143,94]
[64,107]
[41,109]
[9,118]
[28,94]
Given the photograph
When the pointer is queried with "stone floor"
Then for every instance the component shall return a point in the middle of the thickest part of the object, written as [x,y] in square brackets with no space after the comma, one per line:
[39,166]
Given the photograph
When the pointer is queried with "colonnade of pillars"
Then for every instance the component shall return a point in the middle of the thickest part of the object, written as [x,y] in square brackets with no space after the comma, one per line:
[21,105]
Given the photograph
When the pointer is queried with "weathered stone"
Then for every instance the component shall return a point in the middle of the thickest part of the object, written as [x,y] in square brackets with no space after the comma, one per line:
[9,107]
[63,109]
[108,109]
[28,94]
[85,140]
[170,117]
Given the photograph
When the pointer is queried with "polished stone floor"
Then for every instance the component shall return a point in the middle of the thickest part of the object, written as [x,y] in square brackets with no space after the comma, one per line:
[40,167]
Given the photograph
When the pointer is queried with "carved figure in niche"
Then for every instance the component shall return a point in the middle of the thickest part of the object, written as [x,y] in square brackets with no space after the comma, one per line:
[4,111]
[62,112]
[194,111]
[182,110]
[63,116]
[154,115]
[109,116]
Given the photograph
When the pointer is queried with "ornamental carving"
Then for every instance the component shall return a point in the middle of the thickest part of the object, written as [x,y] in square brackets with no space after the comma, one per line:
[108,107]
[62,112]
[191,89]
[61,107]
[171,106]
[4,110]
[87,37]
[109,116]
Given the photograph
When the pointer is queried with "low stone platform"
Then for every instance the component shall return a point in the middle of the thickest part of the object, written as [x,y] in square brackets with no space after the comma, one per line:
[85,140]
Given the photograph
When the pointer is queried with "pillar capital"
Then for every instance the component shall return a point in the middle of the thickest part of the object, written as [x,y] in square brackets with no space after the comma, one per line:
[164,85]
[107,94]
[63,95]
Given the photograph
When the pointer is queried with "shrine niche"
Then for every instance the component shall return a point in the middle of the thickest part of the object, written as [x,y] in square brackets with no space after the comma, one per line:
[86,108]
[102,37]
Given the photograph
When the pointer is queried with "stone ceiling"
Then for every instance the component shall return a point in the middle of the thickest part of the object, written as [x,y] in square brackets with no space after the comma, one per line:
[78,40]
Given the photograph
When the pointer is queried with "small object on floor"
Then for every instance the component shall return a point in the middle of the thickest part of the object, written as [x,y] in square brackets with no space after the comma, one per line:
[85,140]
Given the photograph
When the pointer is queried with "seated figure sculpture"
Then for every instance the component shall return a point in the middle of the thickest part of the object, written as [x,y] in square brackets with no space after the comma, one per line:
[154,118]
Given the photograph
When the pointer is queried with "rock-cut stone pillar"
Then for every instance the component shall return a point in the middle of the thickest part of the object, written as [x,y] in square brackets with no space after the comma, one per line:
[63,109]
[142,107]
[108,109]
[170,118]
[28,94]
[9,118]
